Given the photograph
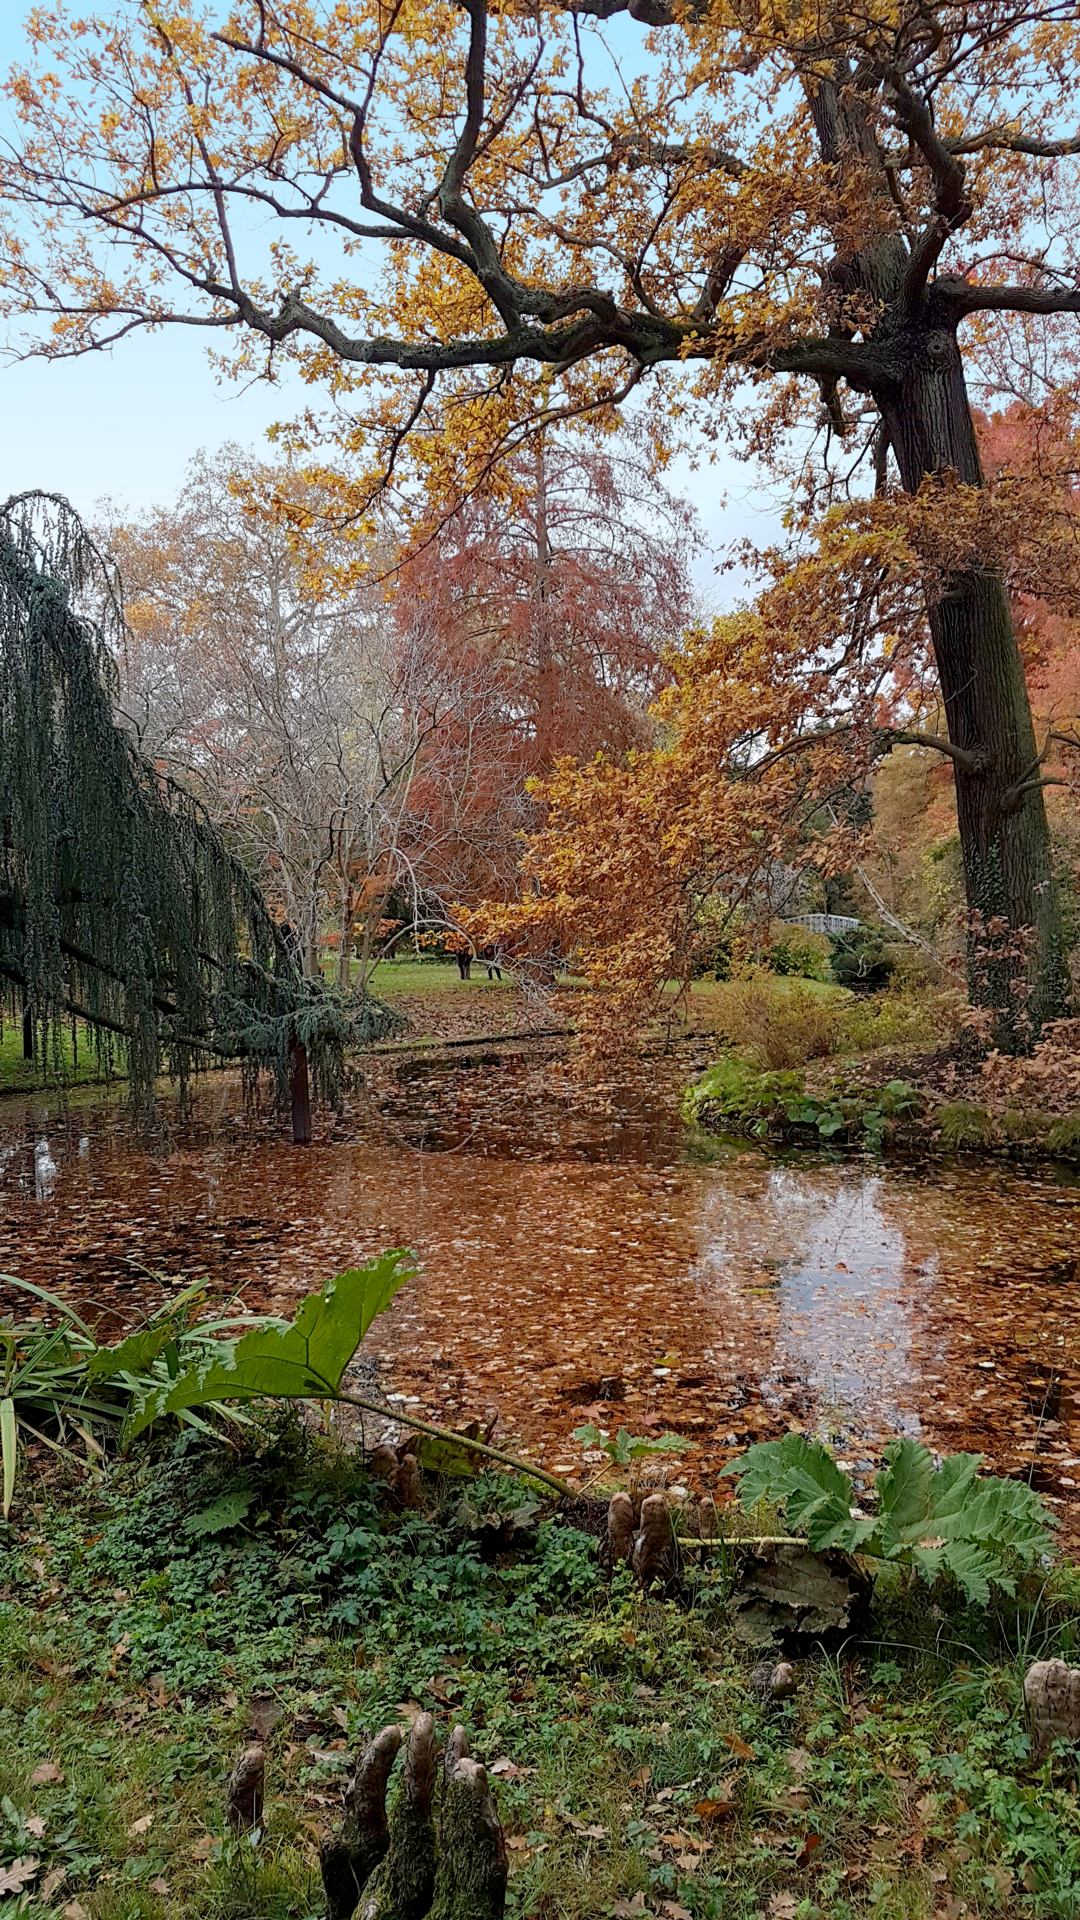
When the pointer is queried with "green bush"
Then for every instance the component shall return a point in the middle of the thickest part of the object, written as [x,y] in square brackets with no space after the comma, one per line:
[732,1097]
[1019,1125]
[779,1025]
[1064,1136]
[796,951]
[905,1018]
[861,960]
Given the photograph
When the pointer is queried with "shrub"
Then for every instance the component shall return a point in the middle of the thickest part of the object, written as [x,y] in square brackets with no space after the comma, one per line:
[733,1097]
[778,1026]
[861,960]
[796,951]
[1064,1136]
[908,1018]
[1019,1125]
[733,1091]
[962,1124]
[1049,1077]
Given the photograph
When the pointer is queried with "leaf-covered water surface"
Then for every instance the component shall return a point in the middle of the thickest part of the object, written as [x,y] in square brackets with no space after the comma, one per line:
[579,1265]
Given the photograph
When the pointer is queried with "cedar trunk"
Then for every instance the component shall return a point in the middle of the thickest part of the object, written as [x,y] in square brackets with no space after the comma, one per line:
[1001,813]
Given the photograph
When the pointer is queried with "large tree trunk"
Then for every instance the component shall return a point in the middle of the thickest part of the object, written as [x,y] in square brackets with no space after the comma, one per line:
[1015,961]
[544,742]
[299,1094]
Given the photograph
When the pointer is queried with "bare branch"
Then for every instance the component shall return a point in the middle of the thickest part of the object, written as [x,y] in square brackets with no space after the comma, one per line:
[1001,140]
[967,296]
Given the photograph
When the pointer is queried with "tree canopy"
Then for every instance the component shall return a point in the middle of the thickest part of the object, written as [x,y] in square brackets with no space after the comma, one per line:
[465,223]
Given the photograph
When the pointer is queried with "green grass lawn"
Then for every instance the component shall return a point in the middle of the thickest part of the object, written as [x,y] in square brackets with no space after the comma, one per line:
[637,1770]
[432,976]
[25,1076]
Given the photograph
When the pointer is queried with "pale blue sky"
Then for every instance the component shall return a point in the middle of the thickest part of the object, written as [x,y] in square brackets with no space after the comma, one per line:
[123,425]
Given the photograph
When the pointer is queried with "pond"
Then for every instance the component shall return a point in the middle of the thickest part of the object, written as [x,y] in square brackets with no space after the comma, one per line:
[581,1262]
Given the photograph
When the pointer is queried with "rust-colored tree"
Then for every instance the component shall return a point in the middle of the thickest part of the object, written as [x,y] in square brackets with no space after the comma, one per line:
[556,588]
[778,215]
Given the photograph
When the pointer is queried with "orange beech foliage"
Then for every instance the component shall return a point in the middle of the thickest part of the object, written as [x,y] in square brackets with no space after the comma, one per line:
[766,742]
[461,224]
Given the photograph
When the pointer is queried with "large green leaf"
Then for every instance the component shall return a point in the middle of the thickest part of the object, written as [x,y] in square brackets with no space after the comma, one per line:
[976,1570]
[903,1493]
[800,1478]
[136,1354]
[304,1361]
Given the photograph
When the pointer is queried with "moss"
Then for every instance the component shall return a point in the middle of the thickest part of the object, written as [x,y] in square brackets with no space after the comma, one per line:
[1064,1136]
[962,1123]
[1020,1125]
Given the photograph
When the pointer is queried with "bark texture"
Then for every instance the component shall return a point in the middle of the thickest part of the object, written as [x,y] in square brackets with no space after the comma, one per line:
[1052,1698]
[440,1855]
[1000,805]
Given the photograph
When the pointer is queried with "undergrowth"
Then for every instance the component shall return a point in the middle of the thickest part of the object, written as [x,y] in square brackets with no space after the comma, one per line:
[637,1769]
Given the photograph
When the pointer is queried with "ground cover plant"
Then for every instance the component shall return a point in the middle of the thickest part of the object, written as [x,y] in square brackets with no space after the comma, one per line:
[940,1519]
[147,1622]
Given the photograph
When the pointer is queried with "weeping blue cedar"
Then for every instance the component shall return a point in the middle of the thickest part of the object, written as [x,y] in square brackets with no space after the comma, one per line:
[121,906]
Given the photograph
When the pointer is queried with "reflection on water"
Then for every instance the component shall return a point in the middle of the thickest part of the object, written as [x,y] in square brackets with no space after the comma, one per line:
[837,1291]
[579,1266]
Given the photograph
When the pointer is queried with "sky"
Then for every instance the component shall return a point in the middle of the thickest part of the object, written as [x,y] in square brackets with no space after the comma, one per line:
[122,426]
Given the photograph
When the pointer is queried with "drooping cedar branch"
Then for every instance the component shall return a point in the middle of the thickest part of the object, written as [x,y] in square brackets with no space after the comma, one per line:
[120,905]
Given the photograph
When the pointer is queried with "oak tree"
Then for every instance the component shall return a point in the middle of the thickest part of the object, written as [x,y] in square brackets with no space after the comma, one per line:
[460,221]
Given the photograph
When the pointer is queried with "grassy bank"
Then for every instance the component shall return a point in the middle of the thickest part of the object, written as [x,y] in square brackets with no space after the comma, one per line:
[77,1066]
[638,1772]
